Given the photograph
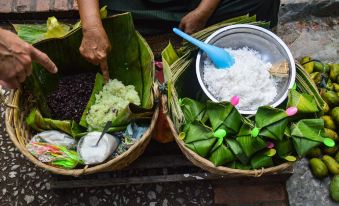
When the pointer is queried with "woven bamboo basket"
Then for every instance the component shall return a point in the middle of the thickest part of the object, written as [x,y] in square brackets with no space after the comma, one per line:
[220,170]
[20,135]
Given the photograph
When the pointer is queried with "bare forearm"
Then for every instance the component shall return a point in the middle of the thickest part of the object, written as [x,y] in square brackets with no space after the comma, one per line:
[207,7]
[89,13]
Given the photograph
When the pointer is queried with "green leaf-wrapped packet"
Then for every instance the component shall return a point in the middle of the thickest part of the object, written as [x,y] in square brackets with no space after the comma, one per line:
[250,144]
[309,133]
[192,110]
[305,103]
[224,116]
[199,138]
[271,122]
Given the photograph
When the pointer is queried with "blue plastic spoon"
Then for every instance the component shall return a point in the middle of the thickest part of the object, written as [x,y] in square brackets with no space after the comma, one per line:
[220,58]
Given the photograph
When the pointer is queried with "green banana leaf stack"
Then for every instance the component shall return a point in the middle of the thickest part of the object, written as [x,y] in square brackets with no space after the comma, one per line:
[220,134]
[130,61]
[269,138]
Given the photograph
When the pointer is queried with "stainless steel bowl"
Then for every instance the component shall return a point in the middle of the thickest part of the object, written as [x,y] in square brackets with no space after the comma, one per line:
[269,45]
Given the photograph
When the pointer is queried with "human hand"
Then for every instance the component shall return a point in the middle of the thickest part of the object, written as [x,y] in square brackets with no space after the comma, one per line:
[95,47]
[16,58]
[193,21]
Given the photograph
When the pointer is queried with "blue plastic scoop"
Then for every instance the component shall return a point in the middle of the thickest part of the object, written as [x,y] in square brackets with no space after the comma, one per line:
[220,58]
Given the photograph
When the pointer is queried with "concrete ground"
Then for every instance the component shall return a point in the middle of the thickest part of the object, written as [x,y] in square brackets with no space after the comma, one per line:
[308,30]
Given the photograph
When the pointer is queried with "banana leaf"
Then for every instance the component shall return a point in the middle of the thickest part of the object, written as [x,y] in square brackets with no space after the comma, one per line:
[40,124]
[249,144]
[307,134]
[221,155]
[169,56]
[130,113]
[130,60]
[284,148]
[240,166]
[224,116]
[261,160]
[33,33]
[192,110]
[30,33]
[237,151]
[199,138]
[98,85]
[271,122]
[304,102]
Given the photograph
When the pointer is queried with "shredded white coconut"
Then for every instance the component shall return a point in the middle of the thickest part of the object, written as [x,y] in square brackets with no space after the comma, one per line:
[248,78]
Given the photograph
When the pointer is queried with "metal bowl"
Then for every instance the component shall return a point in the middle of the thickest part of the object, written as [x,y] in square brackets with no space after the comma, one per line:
[269,45]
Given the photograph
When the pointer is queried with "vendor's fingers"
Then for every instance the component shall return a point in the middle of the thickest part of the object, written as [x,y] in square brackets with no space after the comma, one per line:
[104,69]
[21,76]
[10,84]
[91,58]
[182,26]
[44,60]
[26,61]
[28,70]
[101,55]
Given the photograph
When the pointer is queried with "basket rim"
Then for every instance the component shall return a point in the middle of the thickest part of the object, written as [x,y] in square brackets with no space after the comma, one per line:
[222,170]
[72,172]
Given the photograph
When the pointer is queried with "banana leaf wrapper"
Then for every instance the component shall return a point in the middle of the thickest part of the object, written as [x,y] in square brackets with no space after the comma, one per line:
[284,147]
[199,138]
[221,154]
[249,144]
[40,124]
[130,61]
[261,160]
[224,116]
[304,102]
[237,151]
[307,134]
[272,122]
[192,110]
[238,165]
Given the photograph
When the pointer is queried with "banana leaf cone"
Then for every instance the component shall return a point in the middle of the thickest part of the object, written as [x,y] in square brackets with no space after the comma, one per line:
[284,148]
[237,150]
[262,159]
[192,110]
[248,142]
[199,138]
[307,134]
[130,61]
[220,153]
[271,122]
[285,151]
[304,102]
[224,116]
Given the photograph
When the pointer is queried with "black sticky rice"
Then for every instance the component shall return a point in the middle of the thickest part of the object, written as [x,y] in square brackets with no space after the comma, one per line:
[70,98]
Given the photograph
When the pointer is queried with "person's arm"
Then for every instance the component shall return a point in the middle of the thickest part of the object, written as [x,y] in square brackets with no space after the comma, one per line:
[16,58]
[197,19]
[95,44]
